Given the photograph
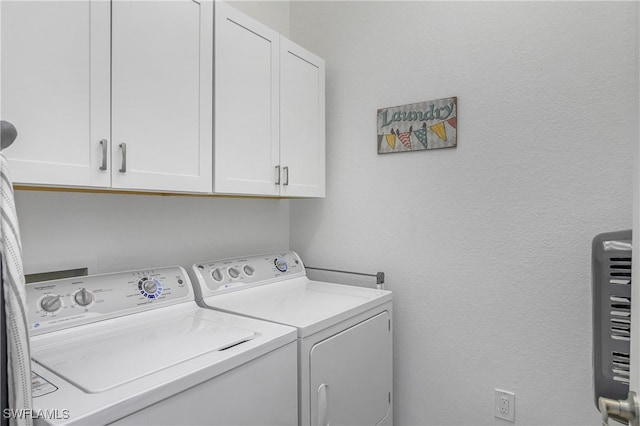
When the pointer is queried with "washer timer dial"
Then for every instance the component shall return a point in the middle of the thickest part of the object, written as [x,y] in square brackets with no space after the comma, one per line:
[150,287]
[83,297]
[281,264]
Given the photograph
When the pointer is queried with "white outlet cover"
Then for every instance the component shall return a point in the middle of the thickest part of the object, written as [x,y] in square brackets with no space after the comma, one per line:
[502,409]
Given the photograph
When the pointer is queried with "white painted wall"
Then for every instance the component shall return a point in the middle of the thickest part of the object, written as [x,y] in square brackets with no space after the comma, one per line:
[112,232]
[486,246]
[635,268]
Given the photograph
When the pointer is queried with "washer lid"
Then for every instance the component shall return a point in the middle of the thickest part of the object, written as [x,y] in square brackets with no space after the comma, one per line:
[112,356]
[308,305]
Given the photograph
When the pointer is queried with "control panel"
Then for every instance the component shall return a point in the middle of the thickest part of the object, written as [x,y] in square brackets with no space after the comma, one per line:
[58,304]
[218,276]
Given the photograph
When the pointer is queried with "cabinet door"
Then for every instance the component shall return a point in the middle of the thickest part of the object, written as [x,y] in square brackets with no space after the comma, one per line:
[351,375]
[302,132]
[162,95]
[246,105]
[55,90]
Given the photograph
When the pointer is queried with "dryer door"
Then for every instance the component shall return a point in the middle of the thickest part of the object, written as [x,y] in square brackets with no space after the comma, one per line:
[351,375]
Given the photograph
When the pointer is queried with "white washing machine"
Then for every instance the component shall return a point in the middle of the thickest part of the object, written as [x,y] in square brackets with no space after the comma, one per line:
[344,333]
[135,348]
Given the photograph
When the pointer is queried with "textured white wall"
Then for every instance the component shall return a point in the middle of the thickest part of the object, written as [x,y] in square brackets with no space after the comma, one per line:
[111,232]
[274,14]
[486,246]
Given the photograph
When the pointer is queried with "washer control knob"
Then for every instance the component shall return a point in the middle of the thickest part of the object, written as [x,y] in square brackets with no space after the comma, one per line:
[83,297]
[51,303]
[216,274]
[233,272]
[248,269]
[150,286]
[281,264]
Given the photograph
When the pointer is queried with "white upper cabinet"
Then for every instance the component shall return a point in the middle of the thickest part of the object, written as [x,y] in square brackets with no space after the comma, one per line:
[246,140]
[269,111]
[302,138]
[161,88]
[55,90]
[109,94]
[152,96]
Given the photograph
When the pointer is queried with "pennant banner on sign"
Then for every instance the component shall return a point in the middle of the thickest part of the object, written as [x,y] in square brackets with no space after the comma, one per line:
[421,135]
[439,130]
[405,138]
[391,140]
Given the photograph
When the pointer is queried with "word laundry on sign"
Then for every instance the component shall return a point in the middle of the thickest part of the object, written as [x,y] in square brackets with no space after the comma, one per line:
[431,114]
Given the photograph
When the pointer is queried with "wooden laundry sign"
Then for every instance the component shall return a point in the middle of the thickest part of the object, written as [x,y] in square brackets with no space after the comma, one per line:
[415,127]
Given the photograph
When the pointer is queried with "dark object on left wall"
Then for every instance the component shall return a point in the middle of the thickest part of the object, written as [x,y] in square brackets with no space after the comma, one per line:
[8,134]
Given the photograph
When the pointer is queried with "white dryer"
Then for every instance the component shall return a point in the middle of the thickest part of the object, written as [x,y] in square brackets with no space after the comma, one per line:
[344,333]
[135,348]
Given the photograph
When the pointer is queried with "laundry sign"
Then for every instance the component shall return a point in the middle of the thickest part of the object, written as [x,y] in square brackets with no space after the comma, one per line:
[415,127]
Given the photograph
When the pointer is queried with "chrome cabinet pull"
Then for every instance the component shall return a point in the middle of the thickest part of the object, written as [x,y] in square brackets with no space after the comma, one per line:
[103,143]
[286,175]
[323,405]
[123,147]
[278,175]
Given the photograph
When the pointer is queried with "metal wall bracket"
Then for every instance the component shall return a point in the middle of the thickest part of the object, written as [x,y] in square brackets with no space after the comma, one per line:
[625,411]
[379,275]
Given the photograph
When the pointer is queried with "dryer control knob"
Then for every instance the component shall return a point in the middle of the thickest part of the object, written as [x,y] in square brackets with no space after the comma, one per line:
[233,272]
[83,297]
[216,274]
[51,303]
[281,264]
[248,269]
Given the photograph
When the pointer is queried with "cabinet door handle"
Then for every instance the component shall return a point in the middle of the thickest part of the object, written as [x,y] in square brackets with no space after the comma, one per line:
[323,405]
[103,143]
[123,147]
[277,175]
[286,175]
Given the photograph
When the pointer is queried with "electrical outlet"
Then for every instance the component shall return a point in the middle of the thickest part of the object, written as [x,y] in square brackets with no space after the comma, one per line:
[505,405]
